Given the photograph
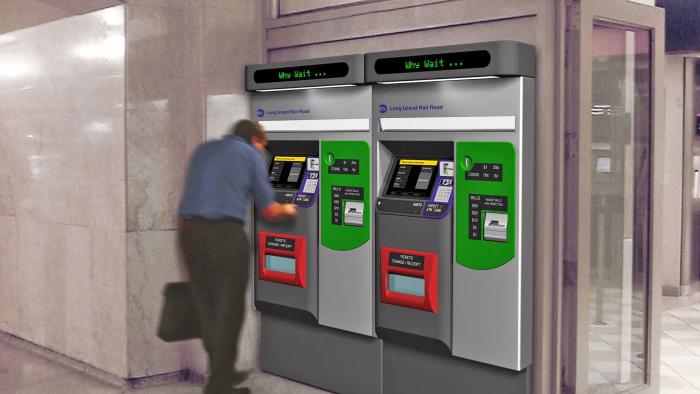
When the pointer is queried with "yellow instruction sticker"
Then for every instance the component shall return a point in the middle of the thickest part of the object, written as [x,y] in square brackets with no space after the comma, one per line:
[412,162]
[290,158]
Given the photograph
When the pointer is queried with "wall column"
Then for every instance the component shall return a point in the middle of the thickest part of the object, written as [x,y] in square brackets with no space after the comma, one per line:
[185,83]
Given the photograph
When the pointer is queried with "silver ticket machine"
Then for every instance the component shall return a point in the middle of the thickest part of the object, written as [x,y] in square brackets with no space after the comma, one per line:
[314,275]
[453,143]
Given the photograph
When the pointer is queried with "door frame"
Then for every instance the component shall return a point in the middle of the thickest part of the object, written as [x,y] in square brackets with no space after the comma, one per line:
[687,283]
[580,18]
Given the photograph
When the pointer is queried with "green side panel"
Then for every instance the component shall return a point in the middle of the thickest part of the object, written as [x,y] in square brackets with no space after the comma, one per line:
[340,235]
[473,250]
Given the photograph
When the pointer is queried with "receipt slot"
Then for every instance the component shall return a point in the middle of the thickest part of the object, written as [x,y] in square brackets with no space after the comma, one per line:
[409,278]
[454,221]
[314,274]
[282,258]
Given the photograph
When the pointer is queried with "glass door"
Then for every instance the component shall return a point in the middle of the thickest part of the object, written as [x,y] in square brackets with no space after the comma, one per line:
[690,269]
[620,202]
[613,109]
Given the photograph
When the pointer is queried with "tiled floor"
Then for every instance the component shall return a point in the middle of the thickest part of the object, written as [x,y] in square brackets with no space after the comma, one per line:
[616,347]
[22,372]
[680,350]
[616,342]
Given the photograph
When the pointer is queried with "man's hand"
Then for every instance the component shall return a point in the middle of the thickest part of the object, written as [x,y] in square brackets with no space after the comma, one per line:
[290,210]
[277,211]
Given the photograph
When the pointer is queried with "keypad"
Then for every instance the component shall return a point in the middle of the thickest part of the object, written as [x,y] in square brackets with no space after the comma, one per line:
[310,186]
[443,193]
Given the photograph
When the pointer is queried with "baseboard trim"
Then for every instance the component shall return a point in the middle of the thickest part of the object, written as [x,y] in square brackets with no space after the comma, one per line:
[158,380]
[671,291]
[98,374]
[196,377]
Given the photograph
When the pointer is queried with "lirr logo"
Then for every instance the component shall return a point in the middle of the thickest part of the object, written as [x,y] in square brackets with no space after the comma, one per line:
[382,108]
[261,112]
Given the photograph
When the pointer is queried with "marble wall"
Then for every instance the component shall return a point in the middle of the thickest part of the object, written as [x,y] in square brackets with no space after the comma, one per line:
[62,187]
[20,14]
[233,37]
[185,83]
[164,123]
[96,128]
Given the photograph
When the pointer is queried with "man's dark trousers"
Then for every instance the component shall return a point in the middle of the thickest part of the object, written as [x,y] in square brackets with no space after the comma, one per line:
[216,254]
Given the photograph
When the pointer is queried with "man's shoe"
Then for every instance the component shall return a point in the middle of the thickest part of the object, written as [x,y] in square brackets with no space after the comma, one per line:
[241,390]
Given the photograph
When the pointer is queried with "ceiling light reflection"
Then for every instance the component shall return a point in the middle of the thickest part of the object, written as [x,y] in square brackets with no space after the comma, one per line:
[160,104]
[112,16]
[6,39]
[14,69]
[35,164]
[100,127]
[111,48]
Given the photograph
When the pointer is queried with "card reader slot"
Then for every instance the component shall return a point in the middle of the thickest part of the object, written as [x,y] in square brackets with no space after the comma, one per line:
[400,207]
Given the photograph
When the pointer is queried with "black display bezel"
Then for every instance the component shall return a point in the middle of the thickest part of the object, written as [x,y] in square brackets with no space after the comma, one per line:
[308,72]
[285,173]
[450,61]
[413,194]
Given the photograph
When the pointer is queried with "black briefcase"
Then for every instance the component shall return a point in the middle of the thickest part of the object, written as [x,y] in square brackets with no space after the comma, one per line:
[178,320]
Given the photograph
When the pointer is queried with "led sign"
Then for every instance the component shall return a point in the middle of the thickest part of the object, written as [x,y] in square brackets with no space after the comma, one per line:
[301,73]
[433,62]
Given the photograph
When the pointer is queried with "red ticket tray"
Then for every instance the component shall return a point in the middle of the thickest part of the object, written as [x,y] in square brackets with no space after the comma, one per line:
[282,245]
[410,263]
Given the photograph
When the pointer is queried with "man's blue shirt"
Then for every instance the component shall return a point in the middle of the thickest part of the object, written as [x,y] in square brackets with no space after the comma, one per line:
[222,176]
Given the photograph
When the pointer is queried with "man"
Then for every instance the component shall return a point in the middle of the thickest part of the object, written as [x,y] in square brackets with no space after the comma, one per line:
[222,176]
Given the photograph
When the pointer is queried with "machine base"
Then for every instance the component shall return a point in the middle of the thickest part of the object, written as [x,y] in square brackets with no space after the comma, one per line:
[420,365]
[299,349]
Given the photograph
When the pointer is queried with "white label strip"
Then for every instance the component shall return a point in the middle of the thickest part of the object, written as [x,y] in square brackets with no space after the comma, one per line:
[453,123]
[317,125]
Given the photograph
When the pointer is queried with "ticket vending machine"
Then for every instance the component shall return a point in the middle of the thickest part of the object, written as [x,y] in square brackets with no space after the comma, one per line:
[453,246]
[314,276]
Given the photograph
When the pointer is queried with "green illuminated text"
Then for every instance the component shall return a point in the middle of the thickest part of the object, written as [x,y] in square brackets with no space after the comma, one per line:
[430,64]
[299,74]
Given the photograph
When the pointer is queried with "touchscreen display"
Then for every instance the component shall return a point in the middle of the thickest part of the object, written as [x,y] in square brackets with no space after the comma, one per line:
[413,177]
[286,172]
